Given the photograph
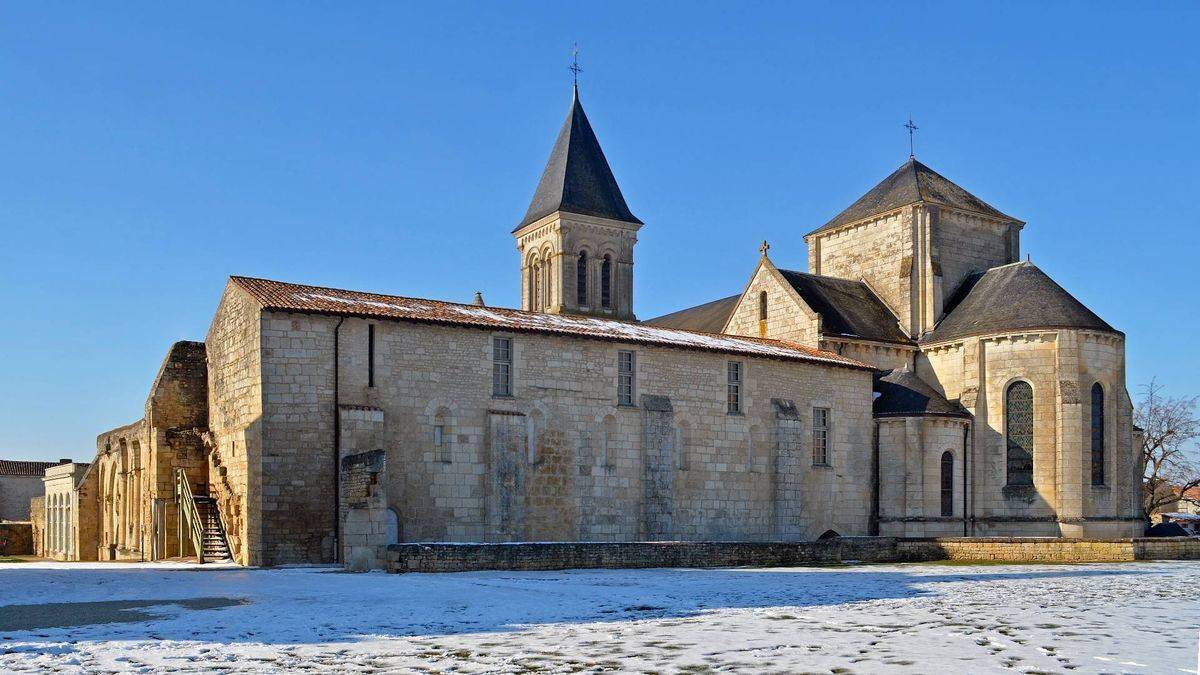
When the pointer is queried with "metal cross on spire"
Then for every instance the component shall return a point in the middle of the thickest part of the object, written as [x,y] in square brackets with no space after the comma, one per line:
[911,128]
[764,248]
[574,67]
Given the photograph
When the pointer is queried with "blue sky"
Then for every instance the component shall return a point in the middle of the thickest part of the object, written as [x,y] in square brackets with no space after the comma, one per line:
[150,150]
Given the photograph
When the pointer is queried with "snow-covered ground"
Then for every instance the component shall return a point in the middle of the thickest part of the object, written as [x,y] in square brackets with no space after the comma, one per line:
[1134,617]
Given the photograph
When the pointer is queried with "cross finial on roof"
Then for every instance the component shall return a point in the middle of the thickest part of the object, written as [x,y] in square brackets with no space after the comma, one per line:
[911,128]
[764,248]
[574,67]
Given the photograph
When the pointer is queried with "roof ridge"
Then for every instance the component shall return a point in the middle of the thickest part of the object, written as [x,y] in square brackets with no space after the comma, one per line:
[514,314]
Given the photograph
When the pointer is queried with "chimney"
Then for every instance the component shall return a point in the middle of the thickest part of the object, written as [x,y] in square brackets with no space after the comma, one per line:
[478,302]
[64,461]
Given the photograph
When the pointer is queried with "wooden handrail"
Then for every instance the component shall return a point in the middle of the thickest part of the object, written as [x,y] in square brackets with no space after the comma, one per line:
[189,515]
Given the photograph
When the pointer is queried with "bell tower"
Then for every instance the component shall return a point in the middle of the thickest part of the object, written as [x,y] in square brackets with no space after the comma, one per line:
[576,240]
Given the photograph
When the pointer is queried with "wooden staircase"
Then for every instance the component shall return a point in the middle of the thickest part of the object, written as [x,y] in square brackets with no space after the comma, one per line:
[213,543]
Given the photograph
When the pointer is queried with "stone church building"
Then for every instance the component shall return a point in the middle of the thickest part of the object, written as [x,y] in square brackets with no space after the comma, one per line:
[917,379]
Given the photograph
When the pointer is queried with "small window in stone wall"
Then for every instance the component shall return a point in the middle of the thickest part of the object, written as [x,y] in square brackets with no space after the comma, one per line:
[733,387]
[1018,429]
[370,355]
[626,364]
[947,484]
[502,361]
[581,289]
[606,283]
[820,446]
[1097,434]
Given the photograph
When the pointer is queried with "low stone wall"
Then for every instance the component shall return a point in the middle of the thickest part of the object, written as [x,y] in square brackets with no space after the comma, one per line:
[16,539]
[454,557]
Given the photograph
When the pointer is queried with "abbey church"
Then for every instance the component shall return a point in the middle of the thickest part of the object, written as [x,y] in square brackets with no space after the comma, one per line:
[918,379]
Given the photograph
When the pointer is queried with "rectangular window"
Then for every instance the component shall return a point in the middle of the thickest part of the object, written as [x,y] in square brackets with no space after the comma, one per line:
[370,355]
[734,387]
[820,436]
[626,363]
[502,359]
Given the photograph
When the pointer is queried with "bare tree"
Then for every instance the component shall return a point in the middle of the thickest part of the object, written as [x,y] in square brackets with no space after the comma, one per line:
[1170,429]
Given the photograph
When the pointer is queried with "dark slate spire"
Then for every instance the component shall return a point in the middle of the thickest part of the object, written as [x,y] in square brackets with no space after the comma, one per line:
[577,178]
[911,183]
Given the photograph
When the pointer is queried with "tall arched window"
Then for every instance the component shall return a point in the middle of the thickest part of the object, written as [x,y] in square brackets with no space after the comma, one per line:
[762,306]
[535,286]
[606,283]
[947,484]
[581,280]
[1097,434]
[1018,430]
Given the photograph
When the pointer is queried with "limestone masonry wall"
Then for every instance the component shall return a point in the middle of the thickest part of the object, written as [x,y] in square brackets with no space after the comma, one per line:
[559,459]
[879,251]
[788,318]
[235,421]
[37,524]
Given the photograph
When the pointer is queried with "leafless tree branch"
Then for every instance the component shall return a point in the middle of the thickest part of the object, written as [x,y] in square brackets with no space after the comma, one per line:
[1170,429]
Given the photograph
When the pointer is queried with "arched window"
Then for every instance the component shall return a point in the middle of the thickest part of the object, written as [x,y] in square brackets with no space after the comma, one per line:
[1097,434]
[535,286]
[1018,430]
[762,306]
[606,283]
[947,484]
[581,280]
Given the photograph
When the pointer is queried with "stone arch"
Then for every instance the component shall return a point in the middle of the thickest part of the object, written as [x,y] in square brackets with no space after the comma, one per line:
[828,534]
[394,532]
[535,281]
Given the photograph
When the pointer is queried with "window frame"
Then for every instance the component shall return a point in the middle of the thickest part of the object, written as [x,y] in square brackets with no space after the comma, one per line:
[735,377]
[502,368]
[1013,442]
[626,379]
[822,432]
[370,355]
[947,484]
[581,279]
[1097,429]
[606,282]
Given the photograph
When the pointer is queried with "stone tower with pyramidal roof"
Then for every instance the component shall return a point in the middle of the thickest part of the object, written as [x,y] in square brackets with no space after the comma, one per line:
[577,237]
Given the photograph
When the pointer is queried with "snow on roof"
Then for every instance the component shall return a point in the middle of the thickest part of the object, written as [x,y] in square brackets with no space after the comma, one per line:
[1182,516]
[283,296]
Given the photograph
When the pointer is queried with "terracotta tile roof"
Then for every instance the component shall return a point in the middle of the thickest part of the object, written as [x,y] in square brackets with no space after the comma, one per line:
[282,296]
[9,467]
